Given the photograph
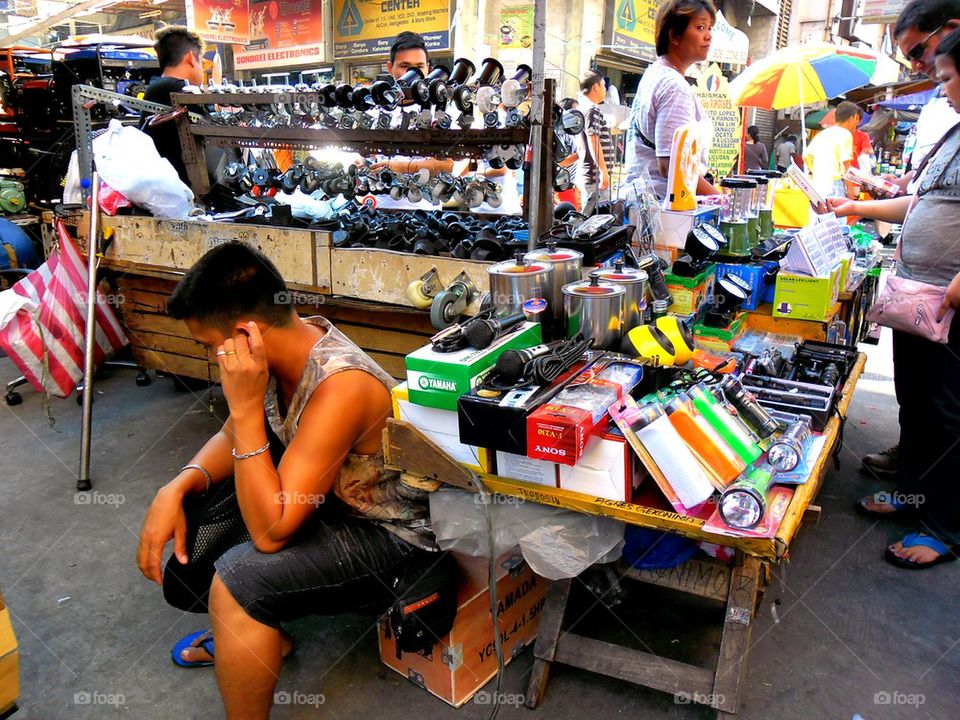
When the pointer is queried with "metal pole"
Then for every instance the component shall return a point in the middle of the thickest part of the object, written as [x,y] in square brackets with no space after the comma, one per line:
[537,111]
[83,481]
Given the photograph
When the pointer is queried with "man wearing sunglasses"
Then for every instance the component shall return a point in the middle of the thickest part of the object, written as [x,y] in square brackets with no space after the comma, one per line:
[918,31]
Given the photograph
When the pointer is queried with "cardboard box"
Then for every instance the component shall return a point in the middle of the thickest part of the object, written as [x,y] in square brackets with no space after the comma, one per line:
[728,335]
[465,660]
[806,298]
[607,469]
[437,379]
[441,427]
[9,662]
[559,430]
[675,226]
[690,294]
[759,276]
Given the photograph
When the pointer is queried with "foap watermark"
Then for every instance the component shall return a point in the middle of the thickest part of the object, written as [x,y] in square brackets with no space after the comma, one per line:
[895,697]
[913,500]
[285,497]
[686,698]
[494,698]
[295,297]
[94,697]
[285,697]
[95,497]
[498,499]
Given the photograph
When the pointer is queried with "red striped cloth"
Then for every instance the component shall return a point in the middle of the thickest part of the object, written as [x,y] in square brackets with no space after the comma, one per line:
[49,330]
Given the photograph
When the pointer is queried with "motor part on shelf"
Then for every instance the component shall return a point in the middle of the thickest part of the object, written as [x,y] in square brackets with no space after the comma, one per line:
[786,451]
[743,504]
[466,96]
[13,200]
[513,92]
[729,294]
[752,413]
[421,292]
[451,302]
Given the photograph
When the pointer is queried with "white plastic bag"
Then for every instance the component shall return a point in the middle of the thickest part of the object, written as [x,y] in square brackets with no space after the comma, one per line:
[128,161]
[556,543]
[306,206]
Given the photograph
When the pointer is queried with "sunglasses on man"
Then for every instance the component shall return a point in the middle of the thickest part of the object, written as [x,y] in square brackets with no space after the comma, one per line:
[916,53]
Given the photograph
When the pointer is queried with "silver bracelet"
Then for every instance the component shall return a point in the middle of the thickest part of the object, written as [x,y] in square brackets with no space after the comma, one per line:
[203,470]
[244,456]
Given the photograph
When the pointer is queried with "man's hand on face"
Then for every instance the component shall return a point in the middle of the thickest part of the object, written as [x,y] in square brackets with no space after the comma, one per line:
[243,371]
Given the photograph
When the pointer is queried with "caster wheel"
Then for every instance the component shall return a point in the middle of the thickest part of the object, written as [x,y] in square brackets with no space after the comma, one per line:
[441,310]
[13,398]
[84,485]
[143,379]
[417,297]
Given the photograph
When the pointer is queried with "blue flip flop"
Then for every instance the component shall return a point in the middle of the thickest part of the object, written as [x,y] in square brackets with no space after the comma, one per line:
[883,496]
[947,553]
[201,638]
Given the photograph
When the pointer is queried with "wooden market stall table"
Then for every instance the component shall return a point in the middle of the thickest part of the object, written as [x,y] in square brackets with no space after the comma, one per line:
[363,291]
[739,586]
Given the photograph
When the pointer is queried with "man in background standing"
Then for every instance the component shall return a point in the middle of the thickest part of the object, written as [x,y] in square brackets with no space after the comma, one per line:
[830,153]
[178,52]
[595,146]
[785,152]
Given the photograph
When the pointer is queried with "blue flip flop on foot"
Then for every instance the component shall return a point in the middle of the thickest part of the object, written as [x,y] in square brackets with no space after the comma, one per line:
[947,553]
[202,639]
[889,498]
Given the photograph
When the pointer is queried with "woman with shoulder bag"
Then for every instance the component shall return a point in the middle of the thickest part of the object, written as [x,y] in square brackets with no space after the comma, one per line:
[926,351]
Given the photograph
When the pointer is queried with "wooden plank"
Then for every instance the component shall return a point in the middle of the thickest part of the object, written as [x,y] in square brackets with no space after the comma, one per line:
[641,668]
[649,517]
[737,628]
[390,341]
[154,322]
[186,346]
[762,320]
[706,577]
[548,635]
[408,450]
[176,364]
[383,275]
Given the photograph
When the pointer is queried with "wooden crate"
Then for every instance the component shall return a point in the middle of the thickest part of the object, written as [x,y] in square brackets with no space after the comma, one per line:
[301,256]
[160,342]
[383,275]
[9,662]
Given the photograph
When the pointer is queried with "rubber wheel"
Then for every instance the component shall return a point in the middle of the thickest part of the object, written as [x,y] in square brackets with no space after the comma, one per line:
[441,315]
[417,297]
[13,398]
[143,379]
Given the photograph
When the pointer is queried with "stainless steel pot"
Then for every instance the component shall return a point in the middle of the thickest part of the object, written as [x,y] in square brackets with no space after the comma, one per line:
[567,268]
[596,309]
[635,282]
[513,282]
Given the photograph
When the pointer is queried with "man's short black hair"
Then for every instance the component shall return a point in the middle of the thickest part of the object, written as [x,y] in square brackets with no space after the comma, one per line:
[175,41]
[408,41]
[230,282]
[847,110]
[792,138]
[926,16]
[589,79]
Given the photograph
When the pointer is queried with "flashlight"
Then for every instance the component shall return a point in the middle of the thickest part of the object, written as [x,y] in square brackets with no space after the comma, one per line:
[743,504]
[787,450]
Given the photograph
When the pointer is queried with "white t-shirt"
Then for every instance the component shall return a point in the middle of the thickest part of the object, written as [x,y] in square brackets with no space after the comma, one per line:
[825,156]
[664,102]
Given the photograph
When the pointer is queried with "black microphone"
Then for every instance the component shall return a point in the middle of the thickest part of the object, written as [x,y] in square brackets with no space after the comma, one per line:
[512,363]
[480,332]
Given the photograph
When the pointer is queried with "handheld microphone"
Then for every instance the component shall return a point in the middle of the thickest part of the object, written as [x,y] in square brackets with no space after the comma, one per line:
[512,363]
[481,332]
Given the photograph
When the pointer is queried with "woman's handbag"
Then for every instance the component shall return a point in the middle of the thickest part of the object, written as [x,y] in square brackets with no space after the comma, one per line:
[912,307]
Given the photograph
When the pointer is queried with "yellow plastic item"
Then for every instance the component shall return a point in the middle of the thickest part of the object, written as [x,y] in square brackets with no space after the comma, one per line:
[791,208]
[650,343]
[417,297]
[679,335]
[684,170]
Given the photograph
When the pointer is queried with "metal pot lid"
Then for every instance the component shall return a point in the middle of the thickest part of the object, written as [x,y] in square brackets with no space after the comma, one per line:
[593,288]
[511,267]
[556,255]
[624,276]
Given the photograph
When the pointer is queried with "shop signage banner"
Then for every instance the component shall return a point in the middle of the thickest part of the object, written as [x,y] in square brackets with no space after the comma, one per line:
[219,21]
[283,33]
[713,94]
[881,11]
[728,45]
[632,25]
[516,28]
[362,28]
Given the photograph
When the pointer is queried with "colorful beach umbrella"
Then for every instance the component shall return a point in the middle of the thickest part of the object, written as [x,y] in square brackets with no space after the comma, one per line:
[803,74]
